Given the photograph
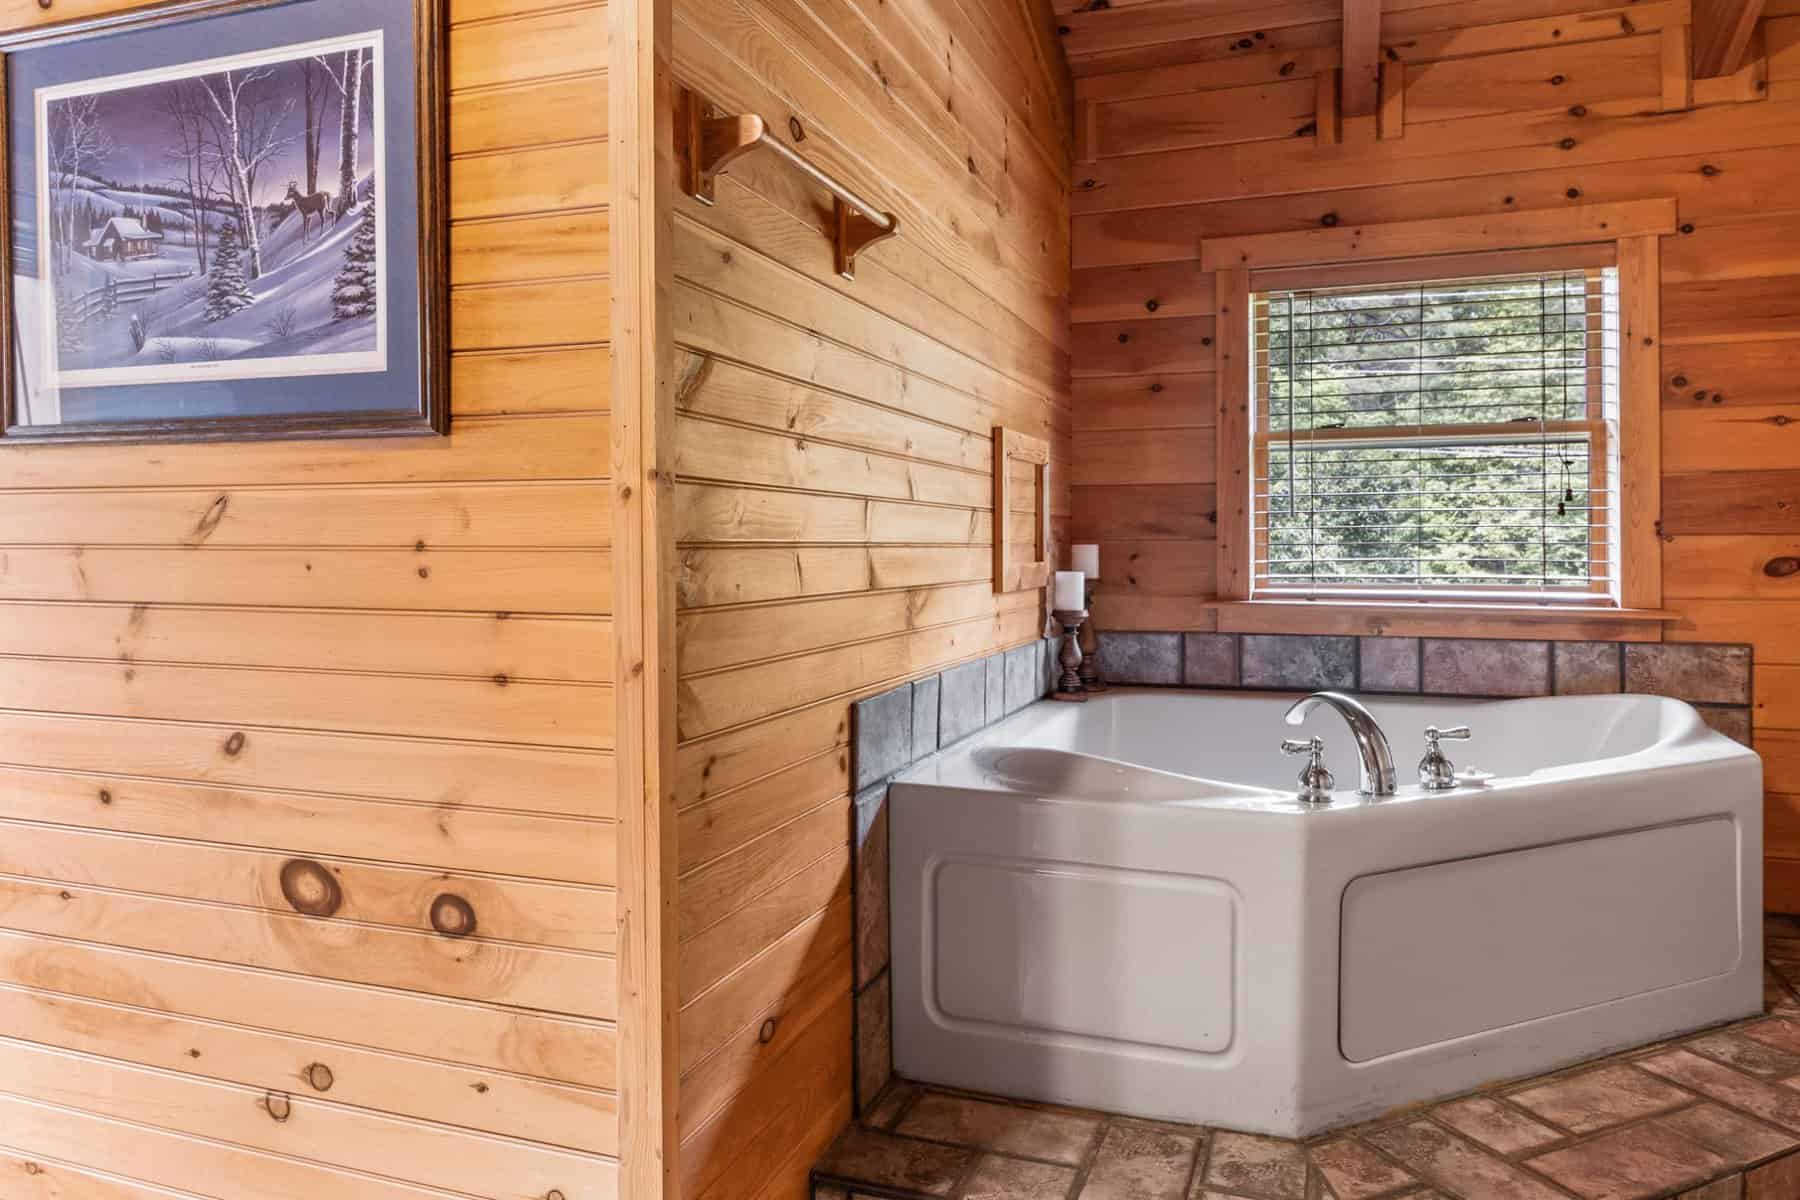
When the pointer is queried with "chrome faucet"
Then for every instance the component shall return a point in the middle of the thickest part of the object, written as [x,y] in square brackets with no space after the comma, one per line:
[1377,778]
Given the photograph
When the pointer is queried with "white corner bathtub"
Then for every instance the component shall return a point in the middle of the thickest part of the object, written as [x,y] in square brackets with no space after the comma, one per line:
[1121,905]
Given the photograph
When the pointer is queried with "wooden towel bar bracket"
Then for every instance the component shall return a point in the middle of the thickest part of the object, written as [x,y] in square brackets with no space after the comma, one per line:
[711,144]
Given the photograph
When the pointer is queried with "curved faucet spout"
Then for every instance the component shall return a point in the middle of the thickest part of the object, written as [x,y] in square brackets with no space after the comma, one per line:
[1377,778]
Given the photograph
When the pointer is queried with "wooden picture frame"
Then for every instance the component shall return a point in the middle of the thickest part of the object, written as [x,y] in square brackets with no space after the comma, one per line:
[1010,573]
[407,359]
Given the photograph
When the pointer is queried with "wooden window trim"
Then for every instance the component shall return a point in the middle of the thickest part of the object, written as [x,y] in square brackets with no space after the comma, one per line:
[1629,234]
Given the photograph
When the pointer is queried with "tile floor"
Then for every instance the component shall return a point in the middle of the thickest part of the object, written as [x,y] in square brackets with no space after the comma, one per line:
[1712,1116]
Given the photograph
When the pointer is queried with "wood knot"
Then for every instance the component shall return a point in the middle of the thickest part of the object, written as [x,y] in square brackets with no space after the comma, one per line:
[1781,568]
[319,1077]
[234,745]
[1687,227]
[279,1106]
[1573,193]
[424,572]
[796,130]
[1708,170]
[1287,68]
[32,1168]
[312,890]
[105,796]
[766,1034]
[1156,389]
[501,679]
[452,916]
[1123,338]
[1558,80]
[1579,110]
[1328,220]
[1567,143]
[1678,381]
[1152,305]
[554,1194]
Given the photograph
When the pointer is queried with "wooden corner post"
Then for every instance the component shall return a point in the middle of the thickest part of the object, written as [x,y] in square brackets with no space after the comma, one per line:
[1231,350]
[644,187]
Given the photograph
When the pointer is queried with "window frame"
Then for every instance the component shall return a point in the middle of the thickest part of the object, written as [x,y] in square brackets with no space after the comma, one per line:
[1594,428]
[1625,235]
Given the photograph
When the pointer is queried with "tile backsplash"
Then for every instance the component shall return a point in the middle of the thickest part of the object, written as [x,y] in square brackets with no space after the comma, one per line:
[1715,679]
[891,732]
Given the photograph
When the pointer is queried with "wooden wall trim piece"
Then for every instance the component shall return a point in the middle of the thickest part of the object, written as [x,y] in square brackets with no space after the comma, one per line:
[1361,57]
[1444,235]
[1325,107]
[1231,345]
[1392,122]
[643,425]
[1677,75]
[1011,573]
[1640,421]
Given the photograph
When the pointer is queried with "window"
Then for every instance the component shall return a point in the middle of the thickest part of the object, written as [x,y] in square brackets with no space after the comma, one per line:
[1449,439]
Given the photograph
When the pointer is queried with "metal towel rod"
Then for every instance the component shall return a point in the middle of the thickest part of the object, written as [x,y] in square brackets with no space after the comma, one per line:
[711,144]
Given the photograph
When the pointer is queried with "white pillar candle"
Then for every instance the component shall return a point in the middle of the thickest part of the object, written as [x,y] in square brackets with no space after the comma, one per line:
[1070,595]
[1085,557]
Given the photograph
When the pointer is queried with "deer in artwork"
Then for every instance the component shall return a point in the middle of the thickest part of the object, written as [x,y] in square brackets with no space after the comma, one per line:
[315,205]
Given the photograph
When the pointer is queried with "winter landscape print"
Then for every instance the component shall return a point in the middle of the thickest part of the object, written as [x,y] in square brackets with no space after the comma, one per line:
[218,219]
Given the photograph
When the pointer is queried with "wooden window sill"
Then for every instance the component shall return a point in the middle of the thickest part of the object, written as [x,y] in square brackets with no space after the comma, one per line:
[1442,618]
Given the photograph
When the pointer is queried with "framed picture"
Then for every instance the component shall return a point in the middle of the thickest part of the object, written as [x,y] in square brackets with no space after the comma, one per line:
[225,219]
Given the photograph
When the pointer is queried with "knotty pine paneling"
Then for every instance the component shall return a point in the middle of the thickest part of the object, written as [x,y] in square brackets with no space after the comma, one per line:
[391,658]
[834,498]
[1507,105]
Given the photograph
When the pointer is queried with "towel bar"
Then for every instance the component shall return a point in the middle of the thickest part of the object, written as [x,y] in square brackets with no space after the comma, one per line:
[713,143]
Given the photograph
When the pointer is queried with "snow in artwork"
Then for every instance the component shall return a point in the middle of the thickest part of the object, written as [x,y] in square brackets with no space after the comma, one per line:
[218,219]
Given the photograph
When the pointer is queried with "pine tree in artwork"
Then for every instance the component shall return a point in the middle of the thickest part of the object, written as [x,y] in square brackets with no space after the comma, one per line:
[353,291]
[226,291]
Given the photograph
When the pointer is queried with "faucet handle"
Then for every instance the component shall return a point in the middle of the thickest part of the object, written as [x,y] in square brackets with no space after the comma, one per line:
[1316,780]
[1436,772]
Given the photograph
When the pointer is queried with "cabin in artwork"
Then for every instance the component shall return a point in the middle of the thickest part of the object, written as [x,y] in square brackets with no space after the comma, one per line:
[123,238]
[504,813]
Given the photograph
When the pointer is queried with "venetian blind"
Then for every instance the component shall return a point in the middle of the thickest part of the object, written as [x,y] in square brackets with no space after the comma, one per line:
[1449,438]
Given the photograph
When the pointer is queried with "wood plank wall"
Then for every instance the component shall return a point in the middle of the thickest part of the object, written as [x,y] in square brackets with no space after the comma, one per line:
[1200,123]
[389,657]
[834,495]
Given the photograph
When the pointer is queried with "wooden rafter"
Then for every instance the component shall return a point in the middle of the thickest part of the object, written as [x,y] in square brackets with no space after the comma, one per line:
[1722,33]
[1362,58]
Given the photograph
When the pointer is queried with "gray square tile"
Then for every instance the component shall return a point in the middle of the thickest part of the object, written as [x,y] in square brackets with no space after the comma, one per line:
[1388,664]
[996,686]
[1688,671]
[883,734]
[1734,723]
[869,876]
[1209,659]
[874,1040]
[1470,667]
[1586,668]
[1301,663]
[1024,675]
[962,705]
[925,716]
[1153,658]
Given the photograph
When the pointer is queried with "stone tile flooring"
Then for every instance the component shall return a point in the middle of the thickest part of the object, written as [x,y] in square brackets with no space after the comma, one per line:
[1712,1116]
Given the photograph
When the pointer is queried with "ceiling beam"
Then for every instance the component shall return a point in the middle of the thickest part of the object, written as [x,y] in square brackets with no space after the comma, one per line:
[1722,30]
[1362,58]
